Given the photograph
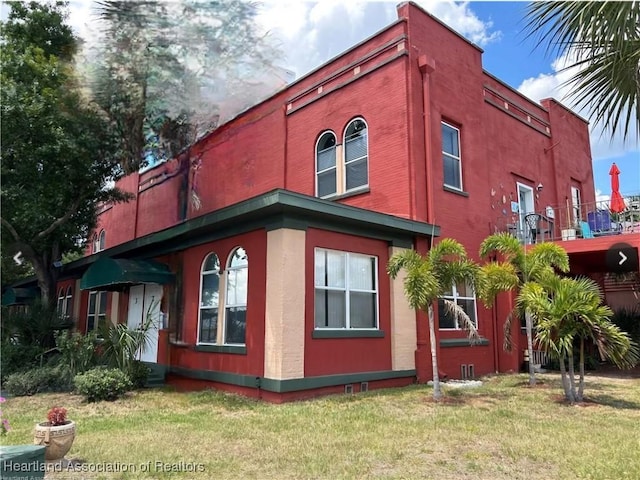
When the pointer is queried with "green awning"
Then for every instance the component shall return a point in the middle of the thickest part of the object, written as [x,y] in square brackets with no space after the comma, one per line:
[19,296]
[112,274]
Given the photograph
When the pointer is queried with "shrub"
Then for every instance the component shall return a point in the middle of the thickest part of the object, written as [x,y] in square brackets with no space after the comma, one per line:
[138,373]
[102,384]
[18,358]
[77,351]
[38,380]
[628,320]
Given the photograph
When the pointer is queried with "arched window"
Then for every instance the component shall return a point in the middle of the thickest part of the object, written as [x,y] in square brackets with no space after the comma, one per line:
[102,240]
[61,298]
[356,154]
[68,302]
[209,299]
[236,298]
[326,165]
[95,245]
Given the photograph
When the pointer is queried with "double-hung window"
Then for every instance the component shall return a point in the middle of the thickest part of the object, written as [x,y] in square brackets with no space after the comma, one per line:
[326,165]
[463,295]
[356,155]
[343,168]
[452,163]
[97,312]
[209,299]
[223,293]
[346,290]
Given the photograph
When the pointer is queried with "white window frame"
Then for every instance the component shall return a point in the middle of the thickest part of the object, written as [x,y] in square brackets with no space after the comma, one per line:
[576,204]
[335,162]
[347,290]
[228,305]
[65,302]
[223,304]
[452,156]
[455,297]
[344,156]
[220,298]
[101,296]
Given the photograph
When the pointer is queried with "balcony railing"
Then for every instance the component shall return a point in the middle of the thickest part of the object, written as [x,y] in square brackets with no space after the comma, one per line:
[568,222]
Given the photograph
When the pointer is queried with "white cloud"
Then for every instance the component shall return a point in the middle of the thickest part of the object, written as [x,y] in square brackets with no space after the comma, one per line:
[554,85]
[313,32]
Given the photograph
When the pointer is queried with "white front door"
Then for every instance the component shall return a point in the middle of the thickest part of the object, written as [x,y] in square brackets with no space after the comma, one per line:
[144,304]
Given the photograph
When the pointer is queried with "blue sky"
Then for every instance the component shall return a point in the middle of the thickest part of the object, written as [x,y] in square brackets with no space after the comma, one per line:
[310,33]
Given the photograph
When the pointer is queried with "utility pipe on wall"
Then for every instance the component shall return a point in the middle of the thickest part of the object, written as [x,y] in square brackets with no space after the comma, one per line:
[427,66]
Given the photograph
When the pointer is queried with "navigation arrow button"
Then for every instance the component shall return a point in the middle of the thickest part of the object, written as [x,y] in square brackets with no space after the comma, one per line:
[624,258]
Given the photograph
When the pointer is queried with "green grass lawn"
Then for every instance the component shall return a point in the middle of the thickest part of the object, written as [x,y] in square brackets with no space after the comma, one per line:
[502,430]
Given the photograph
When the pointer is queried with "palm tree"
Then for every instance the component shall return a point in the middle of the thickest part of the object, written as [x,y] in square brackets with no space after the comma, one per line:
[569,312]
[427,279]
[603,41]
[515,270]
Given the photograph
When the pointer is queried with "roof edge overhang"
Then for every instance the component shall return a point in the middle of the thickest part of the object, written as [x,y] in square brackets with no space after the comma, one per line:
[277,208]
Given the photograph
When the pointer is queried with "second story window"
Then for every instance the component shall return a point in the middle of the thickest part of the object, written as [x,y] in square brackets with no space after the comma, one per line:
[343,168]
[326,179]
[451,156]
[356,155]
[99,241]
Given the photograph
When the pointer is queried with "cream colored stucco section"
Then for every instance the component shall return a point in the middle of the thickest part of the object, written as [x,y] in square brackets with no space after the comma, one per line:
[284,318]
[403,324]
[115,303]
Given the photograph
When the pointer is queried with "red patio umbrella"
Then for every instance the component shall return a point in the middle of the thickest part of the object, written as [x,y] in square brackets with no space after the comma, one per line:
[617,203]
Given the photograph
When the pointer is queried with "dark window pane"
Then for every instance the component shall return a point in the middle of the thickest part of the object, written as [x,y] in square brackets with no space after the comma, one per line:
[357,174]
[327,140]
[236,322]
[327,183]
[450,140]
[355,127]
[330,309]
[92,303]
[103,303]
[208,325]
[469,307]
[445,319]
[90,322]
[451,172]
[362,310]
[210,287]
[212,263]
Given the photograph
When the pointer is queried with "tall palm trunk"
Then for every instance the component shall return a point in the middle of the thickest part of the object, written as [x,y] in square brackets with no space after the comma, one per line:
[581,385]
[437,391]
[529,329]
[568,394]
[572,377]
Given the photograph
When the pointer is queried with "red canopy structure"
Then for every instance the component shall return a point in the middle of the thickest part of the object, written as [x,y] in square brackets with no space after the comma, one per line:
[617,203]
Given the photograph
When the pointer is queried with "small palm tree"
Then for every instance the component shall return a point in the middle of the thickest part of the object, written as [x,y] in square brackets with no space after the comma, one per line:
[514,270]
[427,279]
[604,41]
[569,313]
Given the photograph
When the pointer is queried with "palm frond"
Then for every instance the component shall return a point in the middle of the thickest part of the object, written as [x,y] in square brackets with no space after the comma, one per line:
[462,319]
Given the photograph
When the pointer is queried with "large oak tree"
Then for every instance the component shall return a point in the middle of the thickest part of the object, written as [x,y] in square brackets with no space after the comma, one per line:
[58,152]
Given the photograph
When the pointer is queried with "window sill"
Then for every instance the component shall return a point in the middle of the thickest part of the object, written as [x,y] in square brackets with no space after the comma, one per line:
[178,344]
[350,193]
[326,333]
[462,342]
[235,349]
[462,193]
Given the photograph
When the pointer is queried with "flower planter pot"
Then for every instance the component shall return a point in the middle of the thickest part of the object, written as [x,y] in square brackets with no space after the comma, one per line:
[56,440]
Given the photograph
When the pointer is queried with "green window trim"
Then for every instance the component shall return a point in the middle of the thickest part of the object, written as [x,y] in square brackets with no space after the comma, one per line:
[462,342]
[346,333]
[234,349]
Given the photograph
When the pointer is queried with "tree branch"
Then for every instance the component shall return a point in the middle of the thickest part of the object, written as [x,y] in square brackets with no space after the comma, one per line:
[61,220]
[12,230]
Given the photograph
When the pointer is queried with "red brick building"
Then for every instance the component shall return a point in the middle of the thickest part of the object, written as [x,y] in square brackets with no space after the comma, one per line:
[266,247]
